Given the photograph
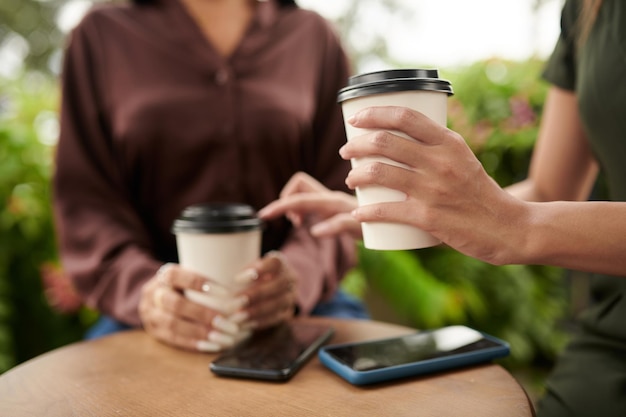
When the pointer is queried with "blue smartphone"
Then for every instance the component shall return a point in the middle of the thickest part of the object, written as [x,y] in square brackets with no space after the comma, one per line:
[414,354]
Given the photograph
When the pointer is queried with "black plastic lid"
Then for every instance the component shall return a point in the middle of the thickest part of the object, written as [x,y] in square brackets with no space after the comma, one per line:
[389,81]
[217,218]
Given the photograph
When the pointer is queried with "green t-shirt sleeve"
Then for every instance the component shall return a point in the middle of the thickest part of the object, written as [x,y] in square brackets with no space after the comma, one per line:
[560,68]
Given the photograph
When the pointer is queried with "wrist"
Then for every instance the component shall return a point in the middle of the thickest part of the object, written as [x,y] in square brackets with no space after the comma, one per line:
[518,234]
[530,230]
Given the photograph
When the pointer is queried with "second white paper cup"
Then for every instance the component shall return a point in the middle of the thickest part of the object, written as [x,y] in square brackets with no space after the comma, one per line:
[417,89]
[218,241]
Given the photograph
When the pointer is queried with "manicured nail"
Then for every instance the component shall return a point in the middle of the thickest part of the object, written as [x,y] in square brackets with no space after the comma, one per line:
[275,254]
[239,317]
[249,325]
[220,338]
[225,325]
[318,229]
[240,302]
[246,276]
[214,289]
[242,335]
[206,346]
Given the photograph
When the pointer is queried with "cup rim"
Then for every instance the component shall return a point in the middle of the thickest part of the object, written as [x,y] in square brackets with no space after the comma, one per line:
[395,80]
[217,218]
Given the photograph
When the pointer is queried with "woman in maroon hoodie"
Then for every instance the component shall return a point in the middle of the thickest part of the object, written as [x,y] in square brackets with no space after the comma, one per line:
[168,103]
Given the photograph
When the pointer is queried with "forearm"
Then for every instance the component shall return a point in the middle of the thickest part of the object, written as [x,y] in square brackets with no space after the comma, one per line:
[585,236]
[115,289]
[107,267]
[104,252]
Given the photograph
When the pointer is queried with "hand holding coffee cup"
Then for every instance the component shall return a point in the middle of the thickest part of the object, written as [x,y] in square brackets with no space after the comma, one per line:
[167,315]
[220,242]
[417,89]
[271,298]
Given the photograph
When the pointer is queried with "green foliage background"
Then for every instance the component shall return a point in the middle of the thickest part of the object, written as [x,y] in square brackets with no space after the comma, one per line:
[28,325]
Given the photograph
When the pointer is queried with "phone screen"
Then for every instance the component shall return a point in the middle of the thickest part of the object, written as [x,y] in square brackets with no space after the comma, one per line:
[412,348]
[276,353]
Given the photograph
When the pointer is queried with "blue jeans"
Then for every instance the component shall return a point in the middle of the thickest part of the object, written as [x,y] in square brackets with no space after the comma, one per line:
[342,305]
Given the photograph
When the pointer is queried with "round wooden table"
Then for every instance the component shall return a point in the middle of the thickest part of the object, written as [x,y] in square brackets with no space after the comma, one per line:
[131,374]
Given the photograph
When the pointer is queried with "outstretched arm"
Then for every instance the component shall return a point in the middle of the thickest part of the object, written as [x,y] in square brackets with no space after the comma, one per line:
[451,196]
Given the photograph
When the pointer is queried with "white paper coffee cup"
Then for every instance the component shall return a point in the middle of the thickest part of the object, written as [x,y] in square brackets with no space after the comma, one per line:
[218,241]
[418,89]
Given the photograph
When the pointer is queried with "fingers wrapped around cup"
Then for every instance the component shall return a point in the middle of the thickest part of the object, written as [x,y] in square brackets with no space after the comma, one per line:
[272,296]
[172,317]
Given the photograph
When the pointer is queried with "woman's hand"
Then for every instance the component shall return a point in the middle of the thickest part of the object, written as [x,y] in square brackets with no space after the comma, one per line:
[304,196]
[449,194]
[172,318]
[270,293]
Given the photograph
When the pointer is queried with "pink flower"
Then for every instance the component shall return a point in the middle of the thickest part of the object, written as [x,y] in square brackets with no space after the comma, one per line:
[58,289]
[521,113]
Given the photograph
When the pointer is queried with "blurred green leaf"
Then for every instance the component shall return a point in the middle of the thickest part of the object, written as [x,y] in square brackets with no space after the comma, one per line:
[28,325]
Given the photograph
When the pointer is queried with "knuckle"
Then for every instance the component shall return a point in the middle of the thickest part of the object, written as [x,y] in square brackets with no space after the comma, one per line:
[447,169]
[378,212]
[375,169]
[380,139]
[403,115]
[427,215]
[454,137]
[433,192]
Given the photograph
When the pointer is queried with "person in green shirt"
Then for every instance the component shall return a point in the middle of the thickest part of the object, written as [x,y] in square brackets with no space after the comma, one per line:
[546,219]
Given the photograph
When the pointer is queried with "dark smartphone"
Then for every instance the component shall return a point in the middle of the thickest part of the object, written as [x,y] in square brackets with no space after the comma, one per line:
[273,354]
[414,354]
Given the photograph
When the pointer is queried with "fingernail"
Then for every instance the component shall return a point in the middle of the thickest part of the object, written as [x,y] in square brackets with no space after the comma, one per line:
[206,346]
[351,119]
[246,276]
[276,254]
[318,229]
[221,338]
[225,325]
[213,289]
[239,317]
[242,335]
[249,325]
[240,302]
